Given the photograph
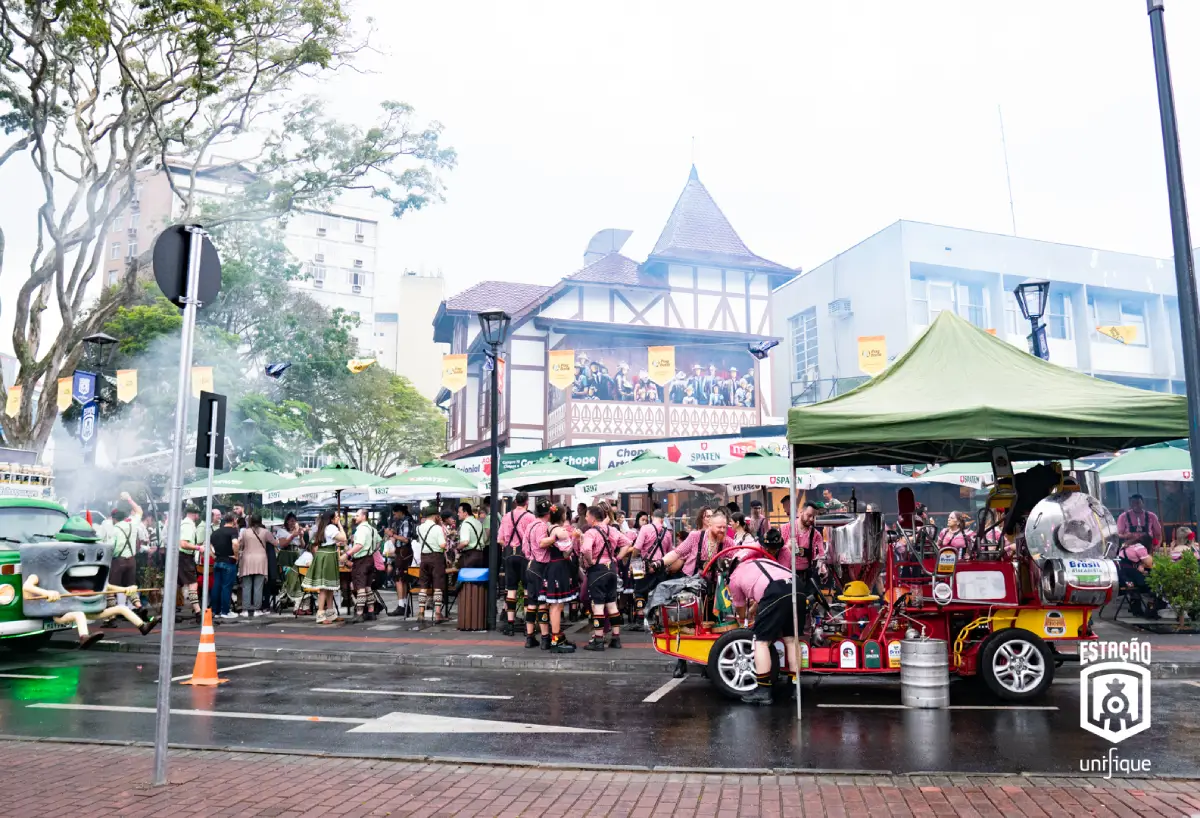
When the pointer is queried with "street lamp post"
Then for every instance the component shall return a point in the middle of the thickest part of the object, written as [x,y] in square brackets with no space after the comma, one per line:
[98,348]
[493,325]
[1181,240]
[1032,297]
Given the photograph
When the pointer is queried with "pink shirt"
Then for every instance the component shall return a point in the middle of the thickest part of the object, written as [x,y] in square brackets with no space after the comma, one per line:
[955,539]
[749,582]
[1135,553]
[524,520]
[1147,521]
[597,549]
[810,541]
[696,555]
[646,537]
[533,549]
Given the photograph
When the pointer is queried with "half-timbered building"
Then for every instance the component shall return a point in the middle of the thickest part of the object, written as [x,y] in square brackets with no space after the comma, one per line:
[701,291]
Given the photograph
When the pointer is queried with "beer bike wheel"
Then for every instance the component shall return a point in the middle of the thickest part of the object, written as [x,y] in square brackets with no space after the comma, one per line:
[1016,665]
[731,663]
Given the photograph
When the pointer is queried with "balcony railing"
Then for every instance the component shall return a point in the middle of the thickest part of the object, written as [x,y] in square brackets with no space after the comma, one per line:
[628,420]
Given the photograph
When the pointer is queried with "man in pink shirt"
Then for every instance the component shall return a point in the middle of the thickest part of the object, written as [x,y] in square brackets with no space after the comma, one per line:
[512,536]
[653,542]
[1137,520]
[701,546]
[598,551]
[807,543]
[762,588]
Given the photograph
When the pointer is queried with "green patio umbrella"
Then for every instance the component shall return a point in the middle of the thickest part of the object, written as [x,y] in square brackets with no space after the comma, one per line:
[973,475]
[430,479]
[1152,463]
[754,471]
[545,474]
[336,478]
[646,472]
[250,478]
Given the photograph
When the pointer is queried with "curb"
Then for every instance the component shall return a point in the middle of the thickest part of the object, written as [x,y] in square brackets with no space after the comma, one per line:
[1022,776]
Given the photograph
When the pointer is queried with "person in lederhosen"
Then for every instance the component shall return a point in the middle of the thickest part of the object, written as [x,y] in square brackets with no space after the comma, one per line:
[362,565]
[537,558]
[598,553]
[430,538]
[513,536]
[558,544]
[654,540]
[470,539]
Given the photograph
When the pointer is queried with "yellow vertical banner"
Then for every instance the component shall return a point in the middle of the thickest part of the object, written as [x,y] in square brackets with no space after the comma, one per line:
[454,372]
[12,403]
[202,380]
[1125,333]
[562,368]
[872,354]
[127,385]
[662,364]
[64,394]
[503,373]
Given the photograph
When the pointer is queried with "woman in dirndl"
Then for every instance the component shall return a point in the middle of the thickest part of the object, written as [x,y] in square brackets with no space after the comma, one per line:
[323,577]
[558,588]
[292,539]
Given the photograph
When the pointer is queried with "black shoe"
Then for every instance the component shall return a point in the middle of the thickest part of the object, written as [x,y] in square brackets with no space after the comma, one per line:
[759,695]
[573,616]
[615,643]
[507,628]
[89,640]
[545,643]
[595,643]
[109,623]
[531,641]
[356,619]
[369,617]
[636,626]
[563,647]
[681,669]
[397,612]
[148,625]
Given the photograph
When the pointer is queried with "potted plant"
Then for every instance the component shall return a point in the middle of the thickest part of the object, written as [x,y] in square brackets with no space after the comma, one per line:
[1178,582]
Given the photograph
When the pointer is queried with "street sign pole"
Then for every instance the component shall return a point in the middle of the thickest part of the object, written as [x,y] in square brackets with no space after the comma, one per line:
[212,464]
[1185,277]
[196,236]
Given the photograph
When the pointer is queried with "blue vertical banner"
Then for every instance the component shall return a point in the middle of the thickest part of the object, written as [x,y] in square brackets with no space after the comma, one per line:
[89,426]
[83,386]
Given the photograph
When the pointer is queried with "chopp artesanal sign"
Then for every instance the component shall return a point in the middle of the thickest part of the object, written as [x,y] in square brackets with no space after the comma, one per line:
[584,458]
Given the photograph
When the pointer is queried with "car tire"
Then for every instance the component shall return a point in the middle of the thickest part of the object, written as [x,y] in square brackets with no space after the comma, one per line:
[731,663]
[1017,665]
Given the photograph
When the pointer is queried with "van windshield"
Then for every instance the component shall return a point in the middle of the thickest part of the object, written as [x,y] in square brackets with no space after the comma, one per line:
[18,525]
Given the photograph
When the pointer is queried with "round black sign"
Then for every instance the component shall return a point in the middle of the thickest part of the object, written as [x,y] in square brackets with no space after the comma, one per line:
[171,262]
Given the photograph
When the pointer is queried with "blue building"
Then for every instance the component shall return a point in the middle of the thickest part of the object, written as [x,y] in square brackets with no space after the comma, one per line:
[893,283]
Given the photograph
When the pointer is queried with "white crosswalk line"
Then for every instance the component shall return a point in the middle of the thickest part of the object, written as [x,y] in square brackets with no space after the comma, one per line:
[224,714]
[450,725]
[662,691]
[225,669]
[410,693]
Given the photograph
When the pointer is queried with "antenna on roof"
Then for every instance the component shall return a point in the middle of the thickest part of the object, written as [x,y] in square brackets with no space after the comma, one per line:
[1007,176]
[693,151]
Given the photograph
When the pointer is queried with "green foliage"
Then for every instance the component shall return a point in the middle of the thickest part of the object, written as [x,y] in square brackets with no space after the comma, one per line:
[139,325]
[280,432]
[1178,583]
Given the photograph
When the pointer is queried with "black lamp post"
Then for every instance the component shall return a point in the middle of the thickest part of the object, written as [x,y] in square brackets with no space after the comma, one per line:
[98,349]
[1033,295]
[493,325]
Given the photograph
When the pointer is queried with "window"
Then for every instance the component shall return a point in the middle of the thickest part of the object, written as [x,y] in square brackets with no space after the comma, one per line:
[324,224]
[135,219]
[114,252]
[1107,311]
[133,250]
[804,342]
[930,297]
[358,280]
[920,301]
[387,318]
[318,275]
[1058,316]
[972,304]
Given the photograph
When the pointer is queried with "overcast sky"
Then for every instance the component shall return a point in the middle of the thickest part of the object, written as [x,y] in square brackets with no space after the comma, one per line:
[815,124]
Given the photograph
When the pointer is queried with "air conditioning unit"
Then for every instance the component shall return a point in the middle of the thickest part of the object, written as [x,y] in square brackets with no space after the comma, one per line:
[135,205]
[840,308]
[357,288]
[358,262]
[319,258]
[360,238]
[132,232]
[321,231]
[318,283]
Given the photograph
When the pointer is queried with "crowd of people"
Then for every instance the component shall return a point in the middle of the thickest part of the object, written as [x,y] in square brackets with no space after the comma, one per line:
[711,386]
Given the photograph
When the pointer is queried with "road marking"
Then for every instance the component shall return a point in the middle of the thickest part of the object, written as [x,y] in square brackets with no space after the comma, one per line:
[24,676]
[449,725]
[225,714]
[1194,683]
[409,693]
[662,691]
[951,707]
[226,669]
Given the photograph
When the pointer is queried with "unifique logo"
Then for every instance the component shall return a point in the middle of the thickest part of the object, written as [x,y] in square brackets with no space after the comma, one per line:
[1114,702]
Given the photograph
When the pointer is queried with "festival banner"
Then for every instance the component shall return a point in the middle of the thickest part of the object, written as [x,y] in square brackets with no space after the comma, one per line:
[357,365]
[64,394]
[502,375]
[1125,333]
[662,364]
[127,385]
[12,404]
[202,380]
[562,368]
[872,354]
[454,372]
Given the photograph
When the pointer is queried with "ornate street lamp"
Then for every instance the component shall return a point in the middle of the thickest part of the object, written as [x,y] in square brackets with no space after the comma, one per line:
[1033,296]
[493,325]
[99,347]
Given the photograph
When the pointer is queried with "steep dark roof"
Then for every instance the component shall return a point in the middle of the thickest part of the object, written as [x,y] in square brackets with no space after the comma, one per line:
[697,230]
[503,295]
[615,268]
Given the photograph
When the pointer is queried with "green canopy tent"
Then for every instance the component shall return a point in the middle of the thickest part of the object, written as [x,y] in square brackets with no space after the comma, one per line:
[546,474]
[426,481]
[1165,464]
[1001,395]
[336,478]
[647,471]
[755,470]
[250,478]
[970,475]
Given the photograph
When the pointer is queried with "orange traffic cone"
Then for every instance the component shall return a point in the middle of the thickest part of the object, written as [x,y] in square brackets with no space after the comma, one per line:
[205,670]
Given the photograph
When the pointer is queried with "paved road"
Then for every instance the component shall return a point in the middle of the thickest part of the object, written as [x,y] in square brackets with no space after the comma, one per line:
[574,718]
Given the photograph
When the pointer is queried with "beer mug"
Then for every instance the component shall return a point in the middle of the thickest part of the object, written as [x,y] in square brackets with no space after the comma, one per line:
[637,568]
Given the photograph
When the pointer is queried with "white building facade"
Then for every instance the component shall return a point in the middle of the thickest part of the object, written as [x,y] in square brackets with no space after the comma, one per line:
[893,283]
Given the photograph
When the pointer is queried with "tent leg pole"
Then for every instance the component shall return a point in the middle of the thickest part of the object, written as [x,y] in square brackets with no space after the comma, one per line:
[792,537]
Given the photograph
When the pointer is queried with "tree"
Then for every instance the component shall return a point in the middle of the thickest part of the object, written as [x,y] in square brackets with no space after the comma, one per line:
[280,432]
[378,421]
[96,91]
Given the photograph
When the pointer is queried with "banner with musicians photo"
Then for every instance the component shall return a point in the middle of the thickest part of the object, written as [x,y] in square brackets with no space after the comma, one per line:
[703,375]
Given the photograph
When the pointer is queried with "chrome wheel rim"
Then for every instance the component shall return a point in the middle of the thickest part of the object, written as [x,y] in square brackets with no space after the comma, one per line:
[736,665]
[1018,666]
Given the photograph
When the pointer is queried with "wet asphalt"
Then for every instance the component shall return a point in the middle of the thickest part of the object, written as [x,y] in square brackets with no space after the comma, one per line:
[846,725]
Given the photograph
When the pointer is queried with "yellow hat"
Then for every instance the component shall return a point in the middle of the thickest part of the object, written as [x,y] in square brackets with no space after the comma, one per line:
[857,591]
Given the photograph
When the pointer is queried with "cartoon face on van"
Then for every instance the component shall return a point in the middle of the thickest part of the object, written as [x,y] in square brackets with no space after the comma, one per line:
[76,570]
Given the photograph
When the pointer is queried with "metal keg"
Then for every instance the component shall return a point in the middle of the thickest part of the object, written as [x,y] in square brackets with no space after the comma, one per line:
[924,673]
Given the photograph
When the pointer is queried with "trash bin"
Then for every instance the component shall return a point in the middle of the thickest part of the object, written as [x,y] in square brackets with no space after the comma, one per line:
[472,599]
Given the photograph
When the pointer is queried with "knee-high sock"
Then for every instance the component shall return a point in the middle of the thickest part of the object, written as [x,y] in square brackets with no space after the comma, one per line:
[421,600]
[531,615]
[437,604]
[510,606]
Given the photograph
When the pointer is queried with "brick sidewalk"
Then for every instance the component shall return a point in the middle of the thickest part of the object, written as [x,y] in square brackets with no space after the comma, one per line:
[53,779]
